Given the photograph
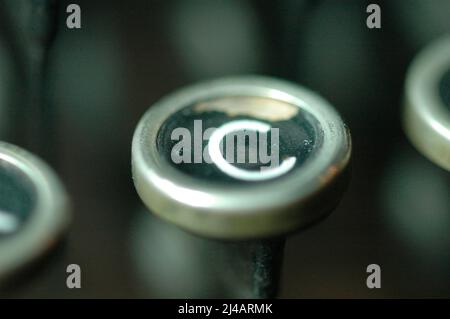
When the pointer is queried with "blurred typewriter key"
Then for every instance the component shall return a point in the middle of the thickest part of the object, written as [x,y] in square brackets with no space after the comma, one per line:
[427,102]
[242,194]
[33,210]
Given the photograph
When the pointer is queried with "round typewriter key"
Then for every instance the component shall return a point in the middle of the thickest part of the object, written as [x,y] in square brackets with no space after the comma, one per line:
[33,209]
[241,158]
[427,102]
[247,159]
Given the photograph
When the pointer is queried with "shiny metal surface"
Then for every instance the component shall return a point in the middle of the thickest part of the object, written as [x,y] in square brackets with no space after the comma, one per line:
[246,210]
[426,116]
[34,209]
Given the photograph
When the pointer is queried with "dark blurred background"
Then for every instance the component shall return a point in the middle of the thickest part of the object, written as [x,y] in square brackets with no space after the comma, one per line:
[128,54]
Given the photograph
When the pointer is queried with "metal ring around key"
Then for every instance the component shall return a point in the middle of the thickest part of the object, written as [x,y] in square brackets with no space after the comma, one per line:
[426,117]
[242,209]
[34,210]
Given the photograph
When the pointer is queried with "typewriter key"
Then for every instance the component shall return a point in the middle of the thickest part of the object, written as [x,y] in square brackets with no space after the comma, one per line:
[33,209]
[247,158]
[427,102]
